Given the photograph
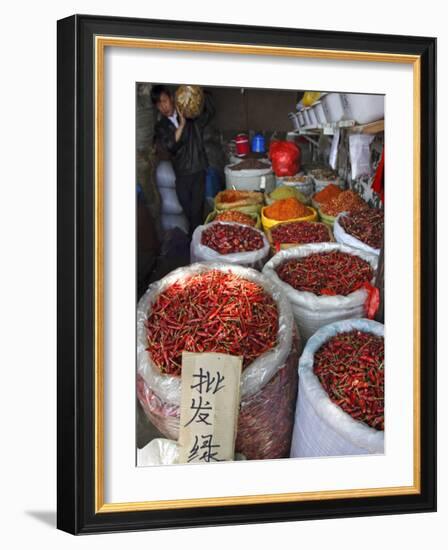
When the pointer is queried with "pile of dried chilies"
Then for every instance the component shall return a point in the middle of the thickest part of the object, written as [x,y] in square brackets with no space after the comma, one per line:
[300,233]
[214,311]
[367,226]
[332,273]
[329,192]
[350,367]
[235,216]
[347,201]
[229,238]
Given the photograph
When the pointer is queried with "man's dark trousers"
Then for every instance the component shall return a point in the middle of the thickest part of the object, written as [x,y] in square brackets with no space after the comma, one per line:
[190,191]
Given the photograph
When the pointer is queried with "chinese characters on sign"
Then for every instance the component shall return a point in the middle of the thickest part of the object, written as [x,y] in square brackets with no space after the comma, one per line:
[209,406]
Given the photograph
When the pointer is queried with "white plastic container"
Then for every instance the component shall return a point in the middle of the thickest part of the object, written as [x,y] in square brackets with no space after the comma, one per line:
[333,107]
[320,113]
[314,116]
[301,119]
[307,118]
[294,120]
[250,180]
[363,108]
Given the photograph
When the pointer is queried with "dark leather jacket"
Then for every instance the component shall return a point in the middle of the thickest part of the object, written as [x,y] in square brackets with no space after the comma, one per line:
[188,154]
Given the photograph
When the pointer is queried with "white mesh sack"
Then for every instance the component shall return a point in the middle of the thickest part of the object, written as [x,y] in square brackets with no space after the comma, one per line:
[311,311]
[321,428]
[343,237]
[202,253]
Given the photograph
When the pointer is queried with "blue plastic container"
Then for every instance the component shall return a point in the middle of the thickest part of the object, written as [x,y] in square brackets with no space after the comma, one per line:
[212,182]
[258,144]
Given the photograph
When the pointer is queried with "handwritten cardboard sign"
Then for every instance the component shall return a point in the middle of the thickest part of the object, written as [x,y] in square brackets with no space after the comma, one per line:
[210,399]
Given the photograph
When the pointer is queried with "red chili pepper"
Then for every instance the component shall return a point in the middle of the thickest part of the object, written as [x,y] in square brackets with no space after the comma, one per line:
[367,226]
[300,233]
[214,311]
[326,273]
[231,238]
[350,367]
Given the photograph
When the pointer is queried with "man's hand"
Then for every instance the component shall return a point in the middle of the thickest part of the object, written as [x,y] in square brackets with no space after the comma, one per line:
[181,127]
[181,118]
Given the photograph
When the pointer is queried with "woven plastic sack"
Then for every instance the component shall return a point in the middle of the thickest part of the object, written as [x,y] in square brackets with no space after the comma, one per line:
[170,202]
[321,427]
[252,201]
[343,237]
[268,384]
[158,452]
[311,311]
[170,221]
[189,100]
[201,253]
[163,452]
[304,184]
[165,176]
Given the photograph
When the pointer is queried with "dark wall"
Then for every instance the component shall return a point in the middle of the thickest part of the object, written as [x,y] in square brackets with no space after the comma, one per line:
[253,109]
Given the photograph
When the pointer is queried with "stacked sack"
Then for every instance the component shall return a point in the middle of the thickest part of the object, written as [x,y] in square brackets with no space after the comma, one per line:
[172,213]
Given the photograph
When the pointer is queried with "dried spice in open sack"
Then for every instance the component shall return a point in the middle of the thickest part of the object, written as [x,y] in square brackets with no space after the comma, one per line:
[287,209]
[367,226]
[326,273]
[235,216]
[347,201]
[350,367]
[300,233]
[229,238]
[213,311]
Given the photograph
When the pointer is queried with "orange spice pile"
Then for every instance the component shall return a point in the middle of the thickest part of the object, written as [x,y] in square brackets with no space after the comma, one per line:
[287,209]
[347,201]
[327,193]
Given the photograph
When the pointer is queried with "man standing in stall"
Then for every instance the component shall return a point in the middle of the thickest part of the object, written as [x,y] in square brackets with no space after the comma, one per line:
[182,138]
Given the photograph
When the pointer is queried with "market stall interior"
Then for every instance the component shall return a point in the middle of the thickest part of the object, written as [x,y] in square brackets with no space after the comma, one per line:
[260,221]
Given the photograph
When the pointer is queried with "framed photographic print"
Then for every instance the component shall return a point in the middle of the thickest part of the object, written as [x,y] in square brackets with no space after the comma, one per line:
[246,274]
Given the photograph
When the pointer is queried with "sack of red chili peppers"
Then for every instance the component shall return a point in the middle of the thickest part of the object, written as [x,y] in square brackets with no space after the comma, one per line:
[340,404]
[363,230]
[229,242]
[325,282]
[218,307]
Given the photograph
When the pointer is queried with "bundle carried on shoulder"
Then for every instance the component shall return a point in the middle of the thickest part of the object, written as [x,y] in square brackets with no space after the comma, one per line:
[241,313]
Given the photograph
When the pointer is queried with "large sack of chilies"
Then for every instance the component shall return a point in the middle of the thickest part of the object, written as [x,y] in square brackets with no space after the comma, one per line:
[325,282]
[229,242]
[217,307]
[363,230]
[340,404]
